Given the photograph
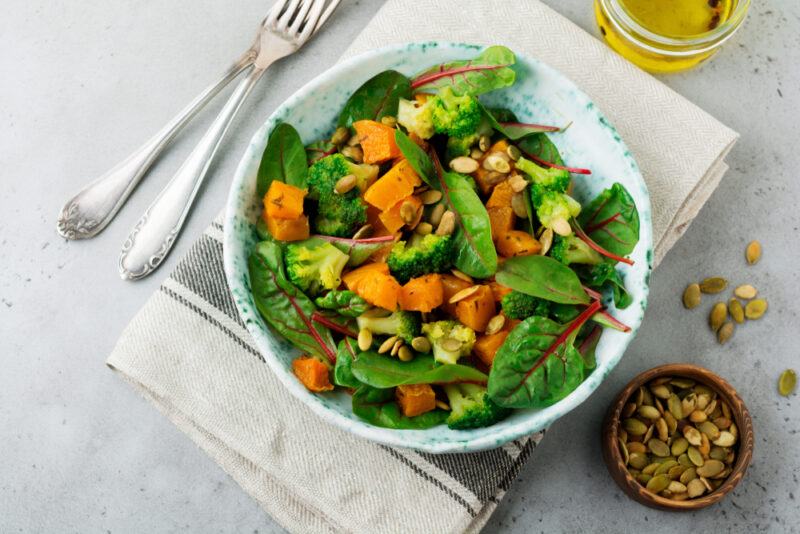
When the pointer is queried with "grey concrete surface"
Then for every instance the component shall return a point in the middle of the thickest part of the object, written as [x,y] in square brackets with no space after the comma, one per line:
[83,83]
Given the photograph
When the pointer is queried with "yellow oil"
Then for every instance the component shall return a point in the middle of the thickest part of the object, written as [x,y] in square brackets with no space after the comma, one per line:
[667,18]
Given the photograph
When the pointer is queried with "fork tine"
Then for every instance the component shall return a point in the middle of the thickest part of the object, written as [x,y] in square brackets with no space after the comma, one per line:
[274,12]
[312,25]
[288,15]
[301,17]
[326,15]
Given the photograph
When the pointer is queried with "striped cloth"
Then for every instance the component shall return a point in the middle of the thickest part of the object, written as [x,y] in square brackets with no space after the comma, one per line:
[189,353]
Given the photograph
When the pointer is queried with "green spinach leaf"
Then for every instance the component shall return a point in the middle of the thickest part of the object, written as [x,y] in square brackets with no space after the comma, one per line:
[359,250]
[538,365]
[540,147]
[378,407]
[489,70]
[381,371]
[342,372]
[543,277]
[376,98]
[416,157]
[606,275]
[285,307]
[612,221]
[284,159]
[262,231]
[515,130]
[345,302]
[472,239]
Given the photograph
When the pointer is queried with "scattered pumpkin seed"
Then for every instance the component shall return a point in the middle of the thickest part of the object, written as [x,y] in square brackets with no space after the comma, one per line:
[451,345]
[464,293]
[692,435]
[697,416]
[661,391]
[462,276]
[561,227]
[389,121]
[423,228]
[430,197]
[787,382]
[517,183]
[405,354]
[513,152]
[683,383]
[436,214]
[643,478]
[736,310]
[464,165]
[666,464]
[364,339]
[396,347]
[718,453]
[709,429]
[442,405]
[484,143]
[353,152]
[691,296]
[684,460]
[676,487]
[340,136]
[519,205]
[676,471]
[345,184]
[623,450]
[495,324]
[725,332]
[718,315]
[672,423]
[746,292]
[476,153]
[650,468]
[722,422]
[658,447]
[753,252]
[713,285]
[447,224]
[546,240]
[421,344]
[408,212]
[387,345]
[755,309]
[661,428]
[498,162]
[674,406]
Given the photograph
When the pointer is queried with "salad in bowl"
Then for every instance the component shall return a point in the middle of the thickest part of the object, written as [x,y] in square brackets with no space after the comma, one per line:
[437,262]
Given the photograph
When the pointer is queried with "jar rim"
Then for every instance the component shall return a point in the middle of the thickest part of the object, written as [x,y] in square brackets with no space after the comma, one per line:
[694,44]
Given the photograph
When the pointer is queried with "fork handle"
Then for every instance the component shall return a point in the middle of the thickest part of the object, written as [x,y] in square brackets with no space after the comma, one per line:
[88,212]
[151,239]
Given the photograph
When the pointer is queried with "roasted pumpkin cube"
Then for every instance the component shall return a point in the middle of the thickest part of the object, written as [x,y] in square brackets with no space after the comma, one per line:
[450,286]
[288,229]
[373,283]
[517,243]
[377,141]
[499,290]
[476,310]
[487,346]
[415,400]
[392,220]
[501,220]
[398,183]
[312,373]
[284,201]
[501,196]
[422,294]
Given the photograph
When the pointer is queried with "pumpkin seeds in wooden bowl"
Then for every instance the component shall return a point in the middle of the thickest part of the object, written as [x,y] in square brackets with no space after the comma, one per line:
[678,437]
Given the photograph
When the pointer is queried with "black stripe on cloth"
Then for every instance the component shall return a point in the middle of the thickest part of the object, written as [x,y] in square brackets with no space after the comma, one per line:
[180,299]
[202,272]
[217,225]
[479,472]
[438,483]
[518,463]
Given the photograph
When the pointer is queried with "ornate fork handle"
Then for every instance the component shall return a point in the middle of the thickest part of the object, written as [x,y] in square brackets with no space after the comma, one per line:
[153,236]
[88,212]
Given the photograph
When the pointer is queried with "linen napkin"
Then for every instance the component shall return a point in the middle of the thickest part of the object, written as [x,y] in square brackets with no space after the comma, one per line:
[188,352]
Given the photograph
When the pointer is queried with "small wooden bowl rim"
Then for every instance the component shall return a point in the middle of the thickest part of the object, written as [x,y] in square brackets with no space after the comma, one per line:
[613,457]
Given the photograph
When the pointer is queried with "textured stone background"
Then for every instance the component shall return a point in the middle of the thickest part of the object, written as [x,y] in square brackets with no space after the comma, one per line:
[83,83]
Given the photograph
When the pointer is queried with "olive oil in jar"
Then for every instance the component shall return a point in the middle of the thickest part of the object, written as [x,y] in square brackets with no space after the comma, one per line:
[681,32]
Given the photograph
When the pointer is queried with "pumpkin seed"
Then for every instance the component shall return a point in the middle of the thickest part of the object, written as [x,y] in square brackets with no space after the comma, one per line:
[709,429]
[697,416]
[623,450]
[691,296]
[710,468]
[679,446]
[725,333]
[725,439]
[701,389]
[519,205]
[676,471]
[658,483]
[430,197]
[688,475]
[649,412]
[464,165]
[755,309]
[722,422]
[692,435]
[660,380]
[496,161]
[736,310]
[731,456]
[442,405]
[672,423]
[661,428]
[408,212]
[702,400]
[423,228]
[643,478]
[705,445]
[640,396]
[637,460]
[340,136]
[713,285]
[718,315]
[484,142]
[634,427]
[637,446]
[354,153]
[396,347]
[695,488]
[451,345]
[387,345]
[682,383]
[746,292]
[726,410]
[659,405]
[753,252]
[650,468]
[421,344]
[464,293]
[719,476]
[665,466]
[694,456]
[684,460]
[734,431]
[718,453]
[517,183]
[787,382]
[561,227]
[495,324]
[629,409]
[513,152]
[405,354]
[706,483]
[623,435]
[546,240]
[436,214]
[675,406]
[658,447]
[476,153]
[661,391]
[676,487]
[447,224]
[648,434]
[345,184]
[364,339]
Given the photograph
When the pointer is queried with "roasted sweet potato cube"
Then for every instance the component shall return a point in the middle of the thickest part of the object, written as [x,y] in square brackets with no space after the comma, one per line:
[398,183]
[499,291]
[422,294]
[288,229]
[502,220]
[284,201]
[377,141]
[517,243]
[450,286]
[487,346]
[476,310]
[501,196]
[312,373]
[416,399]
[391,218]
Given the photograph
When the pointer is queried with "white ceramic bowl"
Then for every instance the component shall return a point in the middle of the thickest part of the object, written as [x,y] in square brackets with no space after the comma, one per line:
[540,95]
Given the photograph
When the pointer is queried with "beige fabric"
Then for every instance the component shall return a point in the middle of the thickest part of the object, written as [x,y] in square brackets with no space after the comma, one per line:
[189,354]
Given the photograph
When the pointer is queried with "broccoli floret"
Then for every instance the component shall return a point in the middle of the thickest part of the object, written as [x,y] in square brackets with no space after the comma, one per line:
[553,207]
[445,335]
[403,324]
[571,249]
[550,178]
[518,305]
[415,117]
[471,407]
[460,146]
[338,214]
[421,255]
[456,116]
[314,265]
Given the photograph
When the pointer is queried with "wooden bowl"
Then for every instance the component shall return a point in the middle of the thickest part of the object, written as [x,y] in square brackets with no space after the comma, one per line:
[616,465]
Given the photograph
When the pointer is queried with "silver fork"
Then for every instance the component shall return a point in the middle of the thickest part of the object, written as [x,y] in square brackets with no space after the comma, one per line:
[288,26]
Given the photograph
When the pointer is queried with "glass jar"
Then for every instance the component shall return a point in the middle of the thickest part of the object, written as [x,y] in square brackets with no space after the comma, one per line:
[662,53]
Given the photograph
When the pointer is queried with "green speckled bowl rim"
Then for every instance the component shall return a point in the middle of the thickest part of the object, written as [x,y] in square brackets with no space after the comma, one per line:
[242,210]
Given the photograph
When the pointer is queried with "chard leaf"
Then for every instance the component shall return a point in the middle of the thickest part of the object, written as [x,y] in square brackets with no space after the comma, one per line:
[514,130]
[489,70]
[318,150]
[379,407]
[540,148]
[284,159]
[376,98]
[380,371]
[543,277]
[416,157]
[612,221]
[342,372]
[346,303]
[359,250]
